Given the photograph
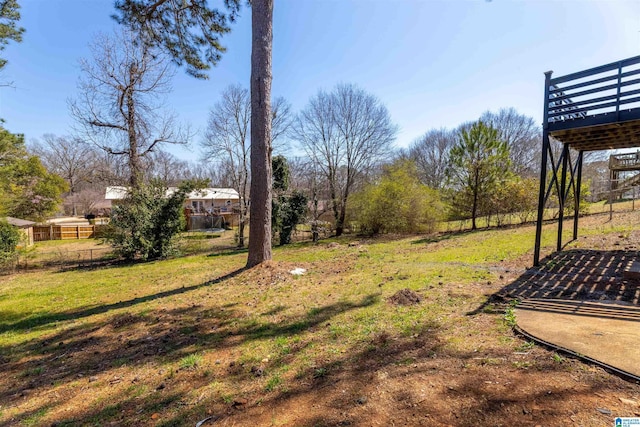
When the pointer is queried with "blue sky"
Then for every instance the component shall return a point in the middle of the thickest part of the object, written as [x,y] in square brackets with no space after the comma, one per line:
[432,63]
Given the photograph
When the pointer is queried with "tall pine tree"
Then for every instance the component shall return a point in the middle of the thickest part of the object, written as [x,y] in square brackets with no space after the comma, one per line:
[190,32]
[477,163]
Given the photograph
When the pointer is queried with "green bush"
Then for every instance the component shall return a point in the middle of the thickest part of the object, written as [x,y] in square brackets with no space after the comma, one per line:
[144,225]
[288,211]
[397,203]
[9,239]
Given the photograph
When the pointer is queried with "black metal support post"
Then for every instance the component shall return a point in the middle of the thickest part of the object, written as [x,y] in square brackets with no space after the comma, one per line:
[563,193]
[591,110]
[610,200]
[576,202]
[543,169]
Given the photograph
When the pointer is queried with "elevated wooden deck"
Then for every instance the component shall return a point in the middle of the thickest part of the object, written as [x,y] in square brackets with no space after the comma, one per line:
[625,162]
[596,109]
[591,110]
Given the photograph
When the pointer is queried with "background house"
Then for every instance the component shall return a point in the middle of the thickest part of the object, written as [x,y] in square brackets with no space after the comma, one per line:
[204,209]
[212,208]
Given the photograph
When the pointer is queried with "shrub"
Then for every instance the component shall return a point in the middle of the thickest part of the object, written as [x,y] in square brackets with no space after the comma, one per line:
[144,225]
[288,207]
[9,239]
[288,211]
[398,203]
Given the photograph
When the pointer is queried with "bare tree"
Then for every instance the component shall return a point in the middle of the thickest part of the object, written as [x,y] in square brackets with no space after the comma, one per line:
[119,107]
[307,177]
[227,141]
[346,133]
[215,173]
[70,158]
[281,122]
[431,155]
[110,169]
[89,200]
[168,168]
[523,137]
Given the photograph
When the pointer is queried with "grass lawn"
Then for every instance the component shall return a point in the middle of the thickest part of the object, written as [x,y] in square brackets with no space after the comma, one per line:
[170,343]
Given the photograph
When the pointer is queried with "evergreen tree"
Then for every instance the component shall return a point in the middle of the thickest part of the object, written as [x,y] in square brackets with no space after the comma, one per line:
[477,164]
[27,189]
[9,30]
[9,239]
[190,32]
[288,207]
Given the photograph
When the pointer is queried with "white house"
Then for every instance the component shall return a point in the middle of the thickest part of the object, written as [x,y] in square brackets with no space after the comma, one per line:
[221,202]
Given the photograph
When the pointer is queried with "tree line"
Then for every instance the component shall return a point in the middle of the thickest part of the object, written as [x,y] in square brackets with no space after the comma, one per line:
[346,174]
[347,167]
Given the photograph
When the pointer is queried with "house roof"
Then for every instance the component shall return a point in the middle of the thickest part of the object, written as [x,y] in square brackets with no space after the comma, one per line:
[214,193]
[115,193]
[20,223]
[119,193]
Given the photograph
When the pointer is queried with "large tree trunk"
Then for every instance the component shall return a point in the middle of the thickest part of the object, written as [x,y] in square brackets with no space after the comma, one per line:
[314,223]
[336,212]
[260,209]
[134,157]
[333,193]
[244,209]
[343,208]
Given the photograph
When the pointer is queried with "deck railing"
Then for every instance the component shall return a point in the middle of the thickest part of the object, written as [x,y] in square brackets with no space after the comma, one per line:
[625,161]
[605,90]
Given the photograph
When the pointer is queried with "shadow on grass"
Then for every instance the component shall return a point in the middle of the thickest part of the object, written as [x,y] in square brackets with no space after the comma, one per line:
[444,236]
[126,412]
[400,373]
[376,380]
[379,372]
[42,320]
[163,337]
[231,250]
[382,381]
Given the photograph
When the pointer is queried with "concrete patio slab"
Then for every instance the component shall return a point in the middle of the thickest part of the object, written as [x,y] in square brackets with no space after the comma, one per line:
[607,332]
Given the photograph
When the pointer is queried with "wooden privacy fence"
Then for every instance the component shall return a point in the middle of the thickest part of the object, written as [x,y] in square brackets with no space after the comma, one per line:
[65,232]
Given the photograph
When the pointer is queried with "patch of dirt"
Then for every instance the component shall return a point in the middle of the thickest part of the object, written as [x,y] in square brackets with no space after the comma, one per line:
[405,297]
[124,319]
